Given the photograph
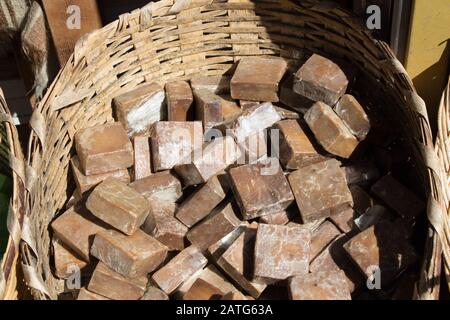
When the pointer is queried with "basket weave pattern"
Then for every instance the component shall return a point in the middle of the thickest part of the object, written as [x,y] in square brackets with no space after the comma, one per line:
[170,40]
[11,164]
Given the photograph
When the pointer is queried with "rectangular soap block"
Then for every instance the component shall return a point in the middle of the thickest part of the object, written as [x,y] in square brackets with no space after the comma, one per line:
[216,84]
[131,256]
[86,183]
[142,158]
[118,205]
[66,262]
[112,285]
[103,148]
[163,186]
[179,101]
[138,109]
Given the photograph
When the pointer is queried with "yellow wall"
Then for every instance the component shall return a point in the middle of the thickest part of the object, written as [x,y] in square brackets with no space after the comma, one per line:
[428,52]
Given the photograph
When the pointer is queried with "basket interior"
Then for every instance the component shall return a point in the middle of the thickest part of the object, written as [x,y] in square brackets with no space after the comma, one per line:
[206,40]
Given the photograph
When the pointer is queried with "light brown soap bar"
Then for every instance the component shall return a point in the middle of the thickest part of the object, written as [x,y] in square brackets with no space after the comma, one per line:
[279,218]
[86,183]
[237,261]
[354,116]
[112,285]
[254,120]
[154,294]
[260,190]
[66,262]
[247,104]
[75,228]
[142,160]
[103,149]
[131,256]
[281,252]
[179,269]
[383,247]
[296,148]
[402,200]
[257,79]
[216,84]
[118,205]
[86,295]
[208,108]
[320,79]
[343,218]
[217,249]
[162,186]
[221,222]
[322,237]
[320,286]
[201,202]
[202,290]
[330,131]
[173,141]
[138,109]
[179,101]
[320,189]
[230,109]
[208,161]
[168,230]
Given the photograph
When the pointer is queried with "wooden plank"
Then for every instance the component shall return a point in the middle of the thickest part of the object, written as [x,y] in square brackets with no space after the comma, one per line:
[65,33]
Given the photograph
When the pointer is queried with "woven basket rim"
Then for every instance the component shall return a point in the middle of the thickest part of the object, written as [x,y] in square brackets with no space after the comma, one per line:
[61,95]
[17,209]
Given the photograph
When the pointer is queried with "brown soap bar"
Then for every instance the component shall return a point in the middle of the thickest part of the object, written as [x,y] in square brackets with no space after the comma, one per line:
[343,218]
[335,259]
[218,224]
[281,252]
[208,161]
[361,200]
[201,202]
[260,190]
[254,120]
[246,104]
[287,114]
[354,116]
[66,262]
[179,101]
[163,186]
[322,237]
[138,109]
[131,256]
[399,198]
[383,247]
[210,278]
[279,218]
[215,84]
[173,141]
[168,230]
[118,205]
[179,269]
[362,172]
[330,131]
[230,109]
[253,148]
[319,286]
[319,189]
[208,108]
[257,79]
[154,294]
[75,228]
[142,162]
[292,99]
[217,249]
[237,262]
[296,149]
[112,285]
[320,79]
[86,183]
[86,295]
[103,149]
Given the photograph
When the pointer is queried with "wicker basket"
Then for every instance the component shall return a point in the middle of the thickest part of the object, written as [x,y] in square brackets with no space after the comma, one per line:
[443,150]
[179,39]
[12,165]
